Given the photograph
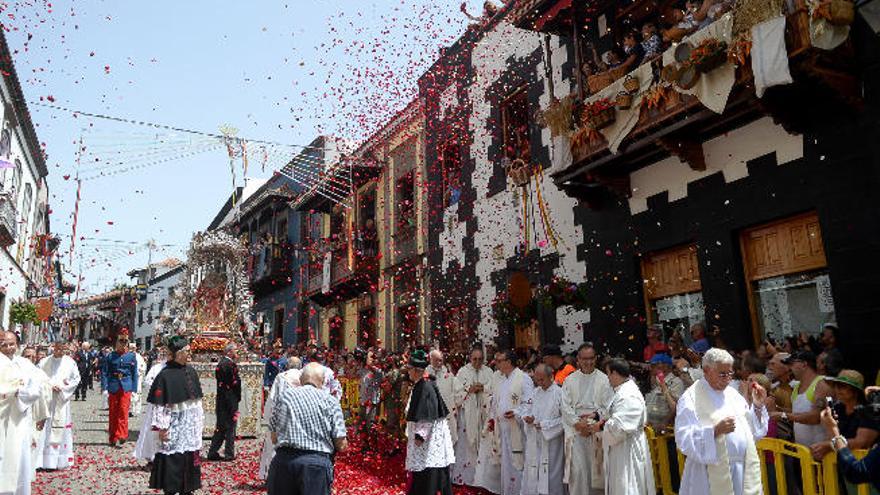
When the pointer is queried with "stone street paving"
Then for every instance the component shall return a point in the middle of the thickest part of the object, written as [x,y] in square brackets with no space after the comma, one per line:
[103,470]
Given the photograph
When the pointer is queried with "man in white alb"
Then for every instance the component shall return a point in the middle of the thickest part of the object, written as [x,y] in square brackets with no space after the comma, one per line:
[584,392]
[542,416]
[514,386]
[57,439]
[22,405]
[717,429]
[473,386]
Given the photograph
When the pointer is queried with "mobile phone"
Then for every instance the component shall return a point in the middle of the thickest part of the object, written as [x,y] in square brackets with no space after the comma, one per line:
[829,403]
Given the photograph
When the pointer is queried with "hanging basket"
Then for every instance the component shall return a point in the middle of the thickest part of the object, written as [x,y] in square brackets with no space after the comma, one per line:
[559,117]
[631,84]
[688,77]
[598,82]
[709,55]
[624,100]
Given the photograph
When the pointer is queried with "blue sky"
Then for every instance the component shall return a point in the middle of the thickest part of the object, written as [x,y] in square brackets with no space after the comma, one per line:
[280,71]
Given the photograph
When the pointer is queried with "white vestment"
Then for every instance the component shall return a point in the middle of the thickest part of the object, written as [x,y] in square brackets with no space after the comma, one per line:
[471,411]
[511,391]
[628,469]
[582,396]
[137,395]
[544,457]
[705,471]
[57,438]
[487,473]
[22,403]
[445,381]
[289,378]
[148,440]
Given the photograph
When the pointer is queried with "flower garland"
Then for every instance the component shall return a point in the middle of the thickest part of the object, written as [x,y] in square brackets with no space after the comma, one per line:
[560,292]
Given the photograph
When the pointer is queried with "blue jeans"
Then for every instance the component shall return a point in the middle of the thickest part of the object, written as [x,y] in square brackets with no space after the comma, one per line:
[300,472]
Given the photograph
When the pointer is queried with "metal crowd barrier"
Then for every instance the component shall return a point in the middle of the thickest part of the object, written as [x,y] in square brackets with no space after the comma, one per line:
[817,478]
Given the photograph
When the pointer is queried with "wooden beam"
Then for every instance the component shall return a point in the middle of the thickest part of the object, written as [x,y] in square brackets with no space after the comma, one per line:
[687,150]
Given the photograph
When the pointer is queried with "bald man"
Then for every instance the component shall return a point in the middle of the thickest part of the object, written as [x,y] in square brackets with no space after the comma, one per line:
[446,383]
[22,386]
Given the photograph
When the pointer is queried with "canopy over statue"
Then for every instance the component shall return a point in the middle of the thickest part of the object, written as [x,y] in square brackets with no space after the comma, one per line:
[213,302]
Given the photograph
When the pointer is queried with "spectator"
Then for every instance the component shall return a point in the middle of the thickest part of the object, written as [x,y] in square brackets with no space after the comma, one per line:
[700,343]
[655,342]
[860,432]
[854,471]
[664,394]
[808,399]
[781,391]
[552,356]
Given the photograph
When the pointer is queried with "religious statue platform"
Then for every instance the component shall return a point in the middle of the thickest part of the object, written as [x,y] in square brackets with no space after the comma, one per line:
[250,407]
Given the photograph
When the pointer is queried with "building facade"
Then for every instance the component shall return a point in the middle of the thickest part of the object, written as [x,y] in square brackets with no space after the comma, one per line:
[27,248]
[154,288]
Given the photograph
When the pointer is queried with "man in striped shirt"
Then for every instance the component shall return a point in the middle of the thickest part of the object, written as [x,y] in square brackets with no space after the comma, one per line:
[307,429]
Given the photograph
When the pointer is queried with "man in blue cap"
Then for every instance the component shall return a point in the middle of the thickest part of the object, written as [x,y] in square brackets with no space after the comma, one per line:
[666,388]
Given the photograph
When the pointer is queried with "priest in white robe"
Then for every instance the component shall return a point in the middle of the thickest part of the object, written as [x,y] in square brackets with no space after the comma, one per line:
[148,442]
[717,429]
[487,472]
[628,469]
[473,386]
[287,379]
[445,381]
[57,438]
[542,416]
[22,404]
[138,394]
[514,386]
[584,392]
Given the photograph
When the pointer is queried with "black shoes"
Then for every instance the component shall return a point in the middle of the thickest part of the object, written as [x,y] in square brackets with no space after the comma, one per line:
[212,456]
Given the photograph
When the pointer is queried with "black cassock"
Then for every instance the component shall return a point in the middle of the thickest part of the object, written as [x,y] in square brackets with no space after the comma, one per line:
[426,405]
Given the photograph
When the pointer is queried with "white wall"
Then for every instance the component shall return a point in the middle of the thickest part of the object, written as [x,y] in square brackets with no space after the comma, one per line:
[498,217]
[156,293]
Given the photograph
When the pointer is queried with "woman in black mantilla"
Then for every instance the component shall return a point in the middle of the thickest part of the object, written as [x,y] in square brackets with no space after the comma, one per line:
[179,419]
[429,451]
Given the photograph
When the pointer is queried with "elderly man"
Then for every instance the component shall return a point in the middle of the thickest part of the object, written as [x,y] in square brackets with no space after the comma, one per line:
[627,458]
[542,416]
[228,397]
[285,379]
[23,404]
[445,381]
[512,389]
[473,386]
[57,439]
[307,428]
[583,393]
[717,429]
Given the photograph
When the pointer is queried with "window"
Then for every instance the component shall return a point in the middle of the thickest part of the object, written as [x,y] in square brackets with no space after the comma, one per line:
[786,270]
[278,325]
[367,327]
[406,218]
[337,331]
[515,125]
[450,161]
[141,316]
[148,343]
[673,290]
[408,325]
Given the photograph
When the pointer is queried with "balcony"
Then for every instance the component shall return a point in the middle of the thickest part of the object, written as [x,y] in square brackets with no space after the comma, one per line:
[272,268]
[659,115]
[350,276]
[8,215]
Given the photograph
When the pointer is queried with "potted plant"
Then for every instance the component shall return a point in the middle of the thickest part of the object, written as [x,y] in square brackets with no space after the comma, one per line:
[22,312]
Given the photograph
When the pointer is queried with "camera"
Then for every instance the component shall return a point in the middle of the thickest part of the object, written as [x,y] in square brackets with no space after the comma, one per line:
[870,411]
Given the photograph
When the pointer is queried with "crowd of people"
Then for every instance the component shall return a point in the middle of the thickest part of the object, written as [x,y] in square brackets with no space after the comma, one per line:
[543,422]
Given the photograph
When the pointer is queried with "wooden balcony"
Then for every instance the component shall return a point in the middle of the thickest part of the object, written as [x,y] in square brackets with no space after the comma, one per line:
[272,268]
[348,277]
[825,83]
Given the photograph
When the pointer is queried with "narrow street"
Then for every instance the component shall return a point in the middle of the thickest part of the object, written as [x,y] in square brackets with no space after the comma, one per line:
[103,470]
